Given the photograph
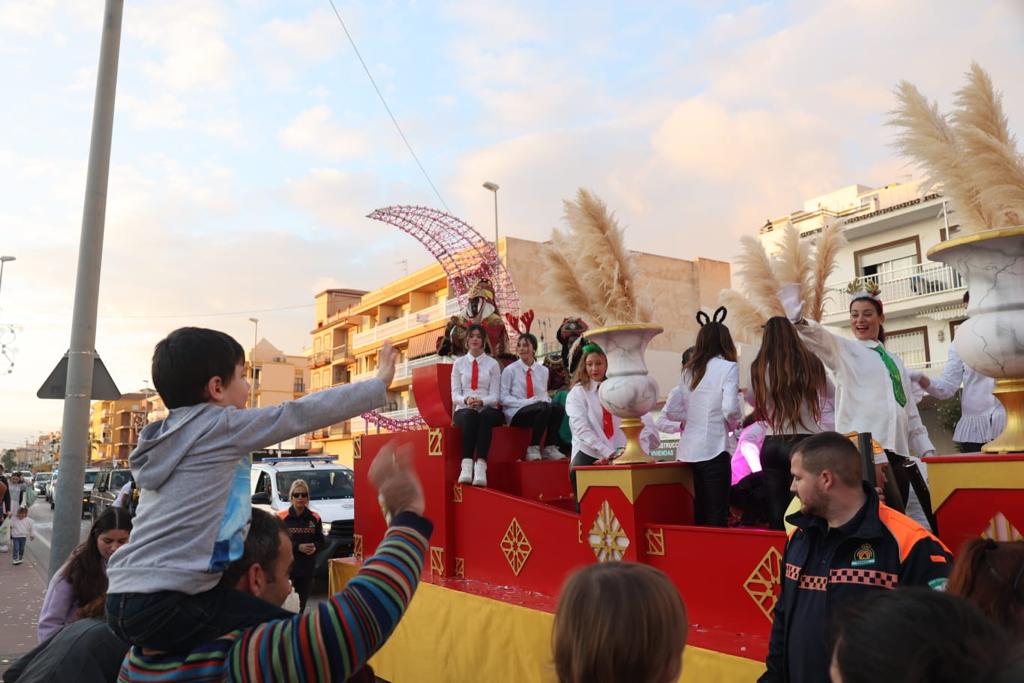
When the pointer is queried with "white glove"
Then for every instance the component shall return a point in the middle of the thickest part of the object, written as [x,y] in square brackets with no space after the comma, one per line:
[789,297]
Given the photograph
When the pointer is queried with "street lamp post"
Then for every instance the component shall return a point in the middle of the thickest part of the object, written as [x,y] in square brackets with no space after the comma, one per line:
[252,389]
[3,260]
[493,187]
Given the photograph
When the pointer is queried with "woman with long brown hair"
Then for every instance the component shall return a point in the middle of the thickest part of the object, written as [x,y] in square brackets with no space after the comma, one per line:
[708,402]
[789,388]
[991,575]
[79,588]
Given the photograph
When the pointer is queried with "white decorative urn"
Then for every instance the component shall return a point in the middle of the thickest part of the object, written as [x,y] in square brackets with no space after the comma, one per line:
[628,391]
[991,340]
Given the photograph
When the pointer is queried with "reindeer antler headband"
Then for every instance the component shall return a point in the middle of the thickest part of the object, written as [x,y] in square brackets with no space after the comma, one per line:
[525,318]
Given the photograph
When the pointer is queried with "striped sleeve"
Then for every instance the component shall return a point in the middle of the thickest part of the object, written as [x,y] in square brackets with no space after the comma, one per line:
[333,641]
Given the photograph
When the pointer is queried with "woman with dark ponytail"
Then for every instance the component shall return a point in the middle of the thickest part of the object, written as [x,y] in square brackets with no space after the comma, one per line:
[708,403]
[79,588]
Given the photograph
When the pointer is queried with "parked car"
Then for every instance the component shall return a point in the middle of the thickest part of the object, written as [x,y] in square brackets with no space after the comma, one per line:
[108,487]
[50,488]
[331,489]
[91,474]
[40,482]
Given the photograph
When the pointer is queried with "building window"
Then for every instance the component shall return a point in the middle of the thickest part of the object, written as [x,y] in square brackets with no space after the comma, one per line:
[911,345]
[888,261]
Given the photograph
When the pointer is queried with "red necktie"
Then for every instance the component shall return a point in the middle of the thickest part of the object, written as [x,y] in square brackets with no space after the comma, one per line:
[529,383]
[606,419]
[475,381]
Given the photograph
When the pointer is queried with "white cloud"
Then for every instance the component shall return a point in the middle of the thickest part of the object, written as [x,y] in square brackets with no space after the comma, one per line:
[315,131]
[190,37]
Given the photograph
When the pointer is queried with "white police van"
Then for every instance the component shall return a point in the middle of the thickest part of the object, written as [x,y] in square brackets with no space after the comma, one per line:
[331,491]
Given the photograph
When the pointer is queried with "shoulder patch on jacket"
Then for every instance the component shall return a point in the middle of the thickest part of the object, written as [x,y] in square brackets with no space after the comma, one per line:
[314,513]
[283,514]
[906,531]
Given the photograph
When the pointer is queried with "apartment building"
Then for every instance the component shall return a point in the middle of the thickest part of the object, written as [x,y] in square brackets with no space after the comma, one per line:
[114,427]
[413,311]
[889,230]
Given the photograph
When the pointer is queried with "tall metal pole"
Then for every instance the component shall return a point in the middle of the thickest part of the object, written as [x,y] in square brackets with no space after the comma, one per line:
[74,446]
[496,225]
[3,260]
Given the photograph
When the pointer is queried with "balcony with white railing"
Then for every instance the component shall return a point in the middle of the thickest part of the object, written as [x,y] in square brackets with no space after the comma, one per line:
[404,369]
[915,283]
[406,323]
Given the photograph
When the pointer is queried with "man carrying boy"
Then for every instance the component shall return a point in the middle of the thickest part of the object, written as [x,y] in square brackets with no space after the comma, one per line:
[193,471]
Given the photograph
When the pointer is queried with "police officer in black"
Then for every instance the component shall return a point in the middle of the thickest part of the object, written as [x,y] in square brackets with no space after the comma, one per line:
[846,544]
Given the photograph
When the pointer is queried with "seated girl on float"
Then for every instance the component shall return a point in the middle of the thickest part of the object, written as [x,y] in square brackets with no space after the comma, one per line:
[476,382]
[597,437]
[525,400]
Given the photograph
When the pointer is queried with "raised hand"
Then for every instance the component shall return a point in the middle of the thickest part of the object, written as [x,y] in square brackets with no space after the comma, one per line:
[394,476]
[386,363]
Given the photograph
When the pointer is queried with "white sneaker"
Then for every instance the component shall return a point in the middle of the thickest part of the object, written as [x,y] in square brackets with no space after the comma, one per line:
[466,475]
[532,453]
[480,473]
[17,562]
[552,453]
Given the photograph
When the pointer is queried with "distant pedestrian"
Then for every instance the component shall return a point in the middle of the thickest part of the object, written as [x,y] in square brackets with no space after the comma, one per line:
[124,496]
[22,530]
[79,588]
[307,536]
[16,489]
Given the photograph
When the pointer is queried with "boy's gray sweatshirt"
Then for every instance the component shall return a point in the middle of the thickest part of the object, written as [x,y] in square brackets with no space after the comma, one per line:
[192,469]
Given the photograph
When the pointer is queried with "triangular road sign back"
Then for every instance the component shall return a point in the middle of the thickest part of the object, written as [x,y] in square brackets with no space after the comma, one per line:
[103,387]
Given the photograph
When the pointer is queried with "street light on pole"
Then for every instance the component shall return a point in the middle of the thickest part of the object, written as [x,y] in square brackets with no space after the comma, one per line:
[493,187]
[252,389]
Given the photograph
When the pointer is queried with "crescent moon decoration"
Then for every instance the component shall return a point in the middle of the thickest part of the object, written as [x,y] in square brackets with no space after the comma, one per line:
[464,255]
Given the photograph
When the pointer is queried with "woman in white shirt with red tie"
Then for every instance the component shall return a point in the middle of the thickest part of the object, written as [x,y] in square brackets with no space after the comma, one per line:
[525,400]
[476,382]
[596,435]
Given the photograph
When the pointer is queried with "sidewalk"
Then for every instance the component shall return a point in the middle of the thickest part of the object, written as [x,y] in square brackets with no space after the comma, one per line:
[23,588]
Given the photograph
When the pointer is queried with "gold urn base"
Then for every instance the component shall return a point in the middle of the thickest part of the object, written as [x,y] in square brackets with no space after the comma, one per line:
[633,453]
[1010,393]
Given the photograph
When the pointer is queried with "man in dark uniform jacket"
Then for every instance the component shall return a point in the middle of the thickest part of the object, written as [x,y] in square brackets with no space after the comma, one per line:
[845,545]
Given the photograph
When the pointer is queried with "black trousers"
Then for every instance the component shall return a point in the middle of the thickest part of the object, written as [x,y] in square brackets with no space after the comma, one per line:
[302,585]
[711,483]
[581,459]
[776,453]
[968,446]
[476,426]
[540,417]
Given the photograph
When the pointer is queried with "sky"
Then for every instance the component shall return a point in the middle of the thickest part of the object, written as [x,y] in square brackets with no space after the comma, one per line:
[249,144]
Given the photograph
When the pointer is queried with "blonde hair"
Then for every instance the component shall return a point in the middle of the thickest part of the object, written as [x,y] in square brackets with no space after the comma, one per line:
[619,621]
[296,484]
[581,376]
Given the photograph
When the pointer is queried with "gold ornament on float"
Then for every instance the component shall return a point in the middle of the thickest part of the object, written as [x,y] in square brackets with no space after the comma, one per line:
[516,547]
[607,538]
[762,583]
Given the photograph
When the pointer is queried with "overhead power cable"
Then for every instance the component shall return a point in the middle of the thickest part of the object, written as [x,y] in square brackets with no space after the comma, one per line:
[380,95]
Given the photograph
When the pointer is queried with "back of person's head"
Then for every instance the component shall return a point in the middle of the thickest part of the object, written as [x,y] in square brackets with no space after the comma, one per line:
[619,621]
[991,575]
[833,452]
[713,340]
[86,568]
[262,547]
[187,359]
[917,635]
[784,376]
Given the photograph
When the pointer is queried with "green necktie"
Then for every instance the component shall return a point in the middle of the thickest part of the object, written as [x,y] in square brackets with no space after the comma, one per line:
[894,375]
